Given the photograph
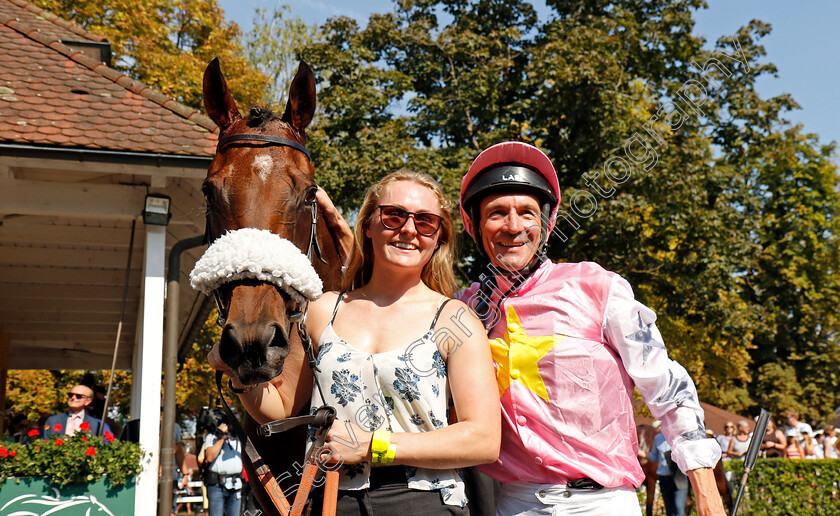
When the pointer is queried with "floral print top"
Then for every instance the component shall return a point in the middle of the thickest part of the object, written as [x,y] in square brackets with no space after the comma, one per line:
[402,390]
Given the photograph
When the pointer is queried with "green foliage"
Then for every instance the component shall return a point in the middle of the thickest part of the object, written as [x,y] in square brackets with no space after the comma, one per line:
[273,45]
[167,44]
[729,232]
[66,460]
[35,393]
[790,487]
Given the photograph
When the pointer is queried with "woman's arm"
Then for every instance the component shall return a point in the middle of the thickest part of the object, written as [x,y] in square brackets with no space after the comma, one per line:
[476,437]
[730,450]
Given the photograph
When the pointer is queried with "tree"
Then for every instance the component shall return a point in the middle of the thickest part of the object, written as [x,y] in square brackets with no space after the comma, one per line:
[167,44]
[664,149]
[273,46]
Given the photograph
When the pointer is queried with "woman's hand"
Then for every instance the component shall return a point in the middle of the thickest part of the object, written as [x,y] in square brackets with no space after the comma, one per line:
[348,444]
[337,225]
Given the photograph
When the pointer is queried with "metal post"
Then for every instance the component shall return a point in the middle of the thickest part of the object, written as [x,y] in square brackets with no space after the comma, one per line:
[170,358]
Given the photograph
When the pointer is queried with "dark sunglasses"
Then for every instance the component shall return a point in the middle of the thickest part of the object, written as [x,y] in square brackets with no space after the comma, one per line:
[394,217]
[77,395]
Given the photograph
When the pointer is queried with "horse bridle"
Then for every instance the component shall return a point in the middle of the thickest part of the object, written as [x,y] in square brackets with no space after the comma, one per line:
[323,416]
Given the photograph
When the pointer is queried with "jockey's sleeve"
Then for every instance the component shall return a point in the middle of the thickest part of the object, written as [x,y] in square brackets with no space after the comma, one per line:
[629,327]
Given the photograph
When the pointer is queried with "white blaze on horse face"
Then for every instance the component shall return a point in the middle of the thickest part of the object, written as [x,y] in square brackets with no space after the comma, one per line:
[263,165]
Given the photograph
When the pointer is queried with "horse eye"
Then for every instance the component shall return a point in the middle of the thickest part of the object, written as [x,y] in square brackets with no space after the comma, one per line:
[310,195]
[208,192]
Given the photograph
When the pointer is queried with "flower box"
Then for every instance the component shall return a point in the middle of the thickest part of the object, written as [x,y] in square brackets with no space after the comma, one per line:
[35,496]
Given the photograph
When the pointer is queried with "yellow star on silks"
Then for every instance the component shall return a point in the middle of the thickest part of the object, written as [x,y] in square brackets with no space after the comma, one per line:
[517,356]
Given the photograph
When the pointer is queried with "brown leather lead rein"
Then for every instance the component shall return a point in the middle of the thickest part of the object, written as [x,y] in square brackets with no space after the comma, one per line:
[322,419]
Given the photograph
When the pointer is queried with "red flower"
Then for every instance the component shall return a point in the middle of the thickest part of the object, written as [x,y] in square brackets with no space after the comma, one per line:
[84,427]
[59,442]
[84,438]
[37,449]
[4,453]
[109,436]
[12,453]
[91,451]
[58,427]
[34,433]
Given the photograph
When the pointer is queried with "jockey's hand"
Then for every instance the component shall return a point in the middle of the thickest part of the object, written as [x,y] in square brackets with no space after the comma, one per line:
[338,226]
[347,443]
[216,362]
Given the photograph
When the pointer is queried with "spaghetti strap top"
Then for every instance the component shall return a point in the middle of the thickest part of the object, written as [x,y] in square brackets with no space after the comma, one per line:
[401,390]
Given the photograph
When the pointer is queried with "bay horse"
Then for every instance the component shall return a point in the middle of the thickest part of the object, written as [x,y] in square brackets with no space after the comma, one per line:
[261,177]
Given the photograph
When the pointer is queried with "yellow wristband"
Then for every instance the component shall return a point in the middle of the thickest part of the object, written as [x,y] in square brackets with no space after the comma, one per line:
[390,454]
[380,442]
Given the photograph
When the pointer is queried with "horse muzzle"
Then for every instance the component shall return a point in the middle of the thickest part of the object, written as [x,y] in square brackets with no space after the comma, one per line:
[255,352]
[253,342]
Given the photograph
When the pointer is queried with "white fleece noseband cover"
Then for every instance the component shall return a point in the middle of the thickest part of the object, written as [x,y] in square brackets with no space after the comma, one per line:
[257,254]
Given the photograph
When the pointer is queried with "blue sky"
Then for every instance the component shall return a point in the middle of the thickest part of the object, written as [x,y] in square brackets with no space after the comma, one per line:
[804,43]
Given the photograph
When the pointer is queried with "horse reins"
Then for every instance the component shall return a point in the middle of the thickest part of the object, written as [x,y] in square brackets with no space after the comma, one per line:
[324,415]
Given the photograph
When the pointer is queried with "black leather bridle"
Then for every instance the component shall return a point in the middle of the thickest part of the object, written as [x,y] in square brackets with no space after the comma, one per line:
[323,417]
[312,249]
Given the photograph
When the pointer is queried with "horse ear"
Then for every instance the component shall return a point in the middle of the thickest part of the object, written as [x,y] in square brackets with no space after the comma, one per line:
[301,105]
[218,101]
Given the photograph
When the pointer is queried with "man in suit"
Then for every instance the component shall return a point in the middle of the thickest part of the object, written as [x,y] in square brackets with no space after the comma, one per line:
[70,422]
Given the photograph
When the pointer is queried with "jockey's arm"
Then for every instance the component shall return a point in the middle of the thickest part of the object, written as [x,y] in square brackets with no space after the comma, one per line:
[706,492]
[338,226]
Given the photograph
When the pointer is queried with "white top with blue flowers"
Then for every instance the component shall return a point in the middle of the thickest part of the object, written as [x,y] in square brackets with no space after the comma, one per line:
[402,390]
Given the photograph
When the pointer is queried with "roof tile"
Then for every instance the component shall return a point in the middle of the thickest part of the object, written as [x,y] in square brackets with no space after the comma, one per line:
[63,97]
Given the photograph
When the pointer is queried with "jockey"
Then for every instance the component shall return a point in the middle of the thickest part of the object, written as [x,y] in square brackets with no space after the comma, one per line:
[570,343]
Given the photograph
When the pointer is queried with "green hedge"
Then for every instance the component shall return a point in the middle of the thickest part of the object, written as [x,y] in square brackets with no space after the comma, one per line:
[789,487]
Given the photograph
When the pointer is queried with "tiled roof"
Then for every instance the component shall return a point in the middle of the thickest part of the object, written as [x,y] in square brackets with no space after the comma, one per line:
[52,95]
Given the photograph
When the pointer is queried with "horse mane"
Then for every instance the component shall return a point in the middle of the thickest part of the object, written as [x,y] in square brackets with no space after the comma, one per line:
[260,116]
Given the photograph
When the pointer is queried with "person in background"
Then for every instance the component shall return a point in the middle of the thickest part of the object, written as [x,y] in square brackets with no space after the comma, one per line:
[829,448]
[724,438]
[70,422]
[19,428]
[808,446]
[793,450]
[740,441]
[672,482]
[792,419]
[223,478]
[819,445]
[774,442]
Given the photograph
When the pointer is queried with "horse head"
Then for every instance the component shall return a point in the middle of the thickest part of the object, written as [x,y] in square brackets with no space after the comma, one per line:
[261,219]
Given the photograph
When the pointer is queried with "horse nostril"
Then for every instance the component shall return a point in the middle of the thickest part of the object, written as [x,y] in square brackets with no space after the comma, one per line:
[255,356]
[230,349]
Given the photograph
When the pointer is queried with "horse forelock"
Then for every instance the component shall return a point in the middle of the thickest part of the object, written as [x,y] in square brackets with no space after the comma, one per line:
[260,116]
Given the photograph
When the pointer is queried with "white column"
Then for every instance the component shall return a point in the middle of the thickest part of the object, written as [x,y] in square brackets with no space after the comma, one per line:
[145,498]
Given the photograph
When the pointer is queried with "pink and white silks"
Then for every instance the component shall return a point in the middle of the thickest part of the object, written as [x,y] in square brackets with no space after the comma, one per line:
[569,347]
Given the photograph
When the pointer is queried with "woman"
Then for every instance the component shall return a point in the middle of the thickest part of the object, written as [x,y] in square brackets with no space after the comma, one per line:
[793,450]
[808,446]
[724,439]
[740,441]
[830,451]
[774,443]
[392,350]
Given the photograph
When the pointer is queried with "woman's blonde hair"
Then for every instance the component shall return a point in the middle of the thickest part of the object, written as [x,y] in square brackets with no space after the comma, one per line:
[438,273]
